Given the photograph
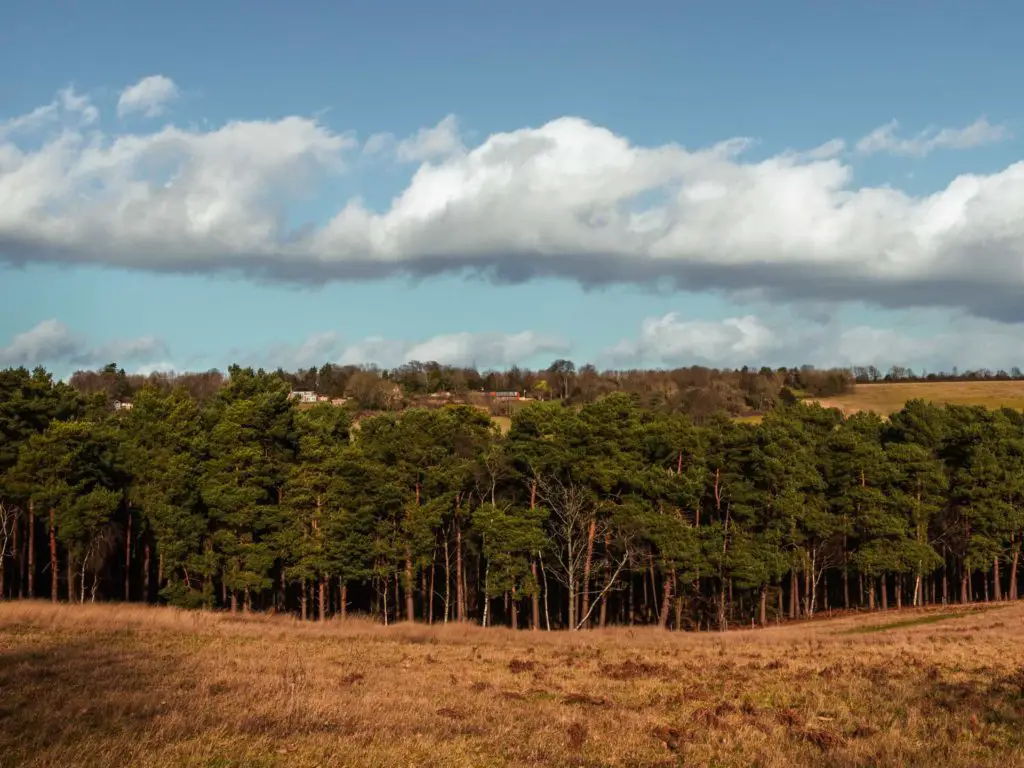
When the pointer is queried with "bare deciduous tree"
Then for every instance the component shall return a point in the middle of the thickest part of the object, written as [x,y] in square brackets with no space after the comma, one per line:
[8,520]
[575,524]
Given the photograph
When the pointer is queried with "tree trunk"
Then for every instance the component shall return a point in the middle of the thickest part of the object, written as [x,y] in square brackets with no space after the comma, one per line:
[846,587]
[794,595]
[885,592]
[430,599]
[460,605]
[1013,571]
[128,558]
[31,550]
[159,571]
[447,580]
[71,579]
[410,605]
[54,578]
[343,600]
[591,532]
[535,600]
[515,610]
[424,595]
[323,598]
[666,602]
[303,602]
[544,578]
[899,591]
[763,609]
[871,595]
[997,591]
[145,573]
[963,586]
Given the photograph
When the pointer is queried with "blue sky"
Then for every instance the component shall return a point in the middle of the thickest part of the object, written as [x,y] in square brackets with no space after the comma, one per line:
[191,226]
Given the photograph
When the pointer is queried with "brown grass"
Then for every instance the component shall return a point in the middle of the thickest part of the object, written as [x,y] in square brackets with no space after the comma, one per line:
[885,399]
[111,685]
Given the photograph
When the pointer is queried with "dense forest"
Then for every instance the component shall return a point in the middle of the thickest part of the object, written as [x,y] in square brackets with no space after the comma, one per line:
[608,511]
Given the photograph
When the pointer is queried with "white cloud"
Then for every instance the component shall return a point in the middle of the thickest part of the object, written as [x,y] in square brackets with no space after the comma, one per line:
[480,349]
[969,343]
[51,343]
[884,139]
[149,96]
[440,141]
[565,199]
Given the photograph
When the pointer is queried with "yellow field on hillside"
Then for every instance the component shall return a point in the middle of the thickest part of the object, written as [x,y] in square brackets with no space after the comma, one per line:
[111,685]
[888,398]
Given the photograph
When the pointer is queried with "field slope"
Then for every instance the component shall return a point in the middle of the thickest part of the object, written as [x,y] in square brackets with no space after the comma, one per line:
[888,398]
[109,685]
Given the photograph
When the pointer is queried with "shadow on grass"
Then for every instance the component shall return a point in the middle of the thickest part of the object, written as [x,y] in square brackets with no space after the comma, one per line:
[932,618]
[60,693]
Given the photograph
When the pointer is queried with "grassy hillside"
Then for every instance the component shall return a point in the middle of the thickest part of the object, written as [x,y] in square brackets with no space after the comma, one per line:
[114,685]
[887,398]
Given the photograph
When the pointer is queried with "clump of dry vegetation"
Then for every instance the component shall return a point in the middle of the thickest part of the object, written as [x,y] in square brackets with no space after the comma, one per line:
[109,685]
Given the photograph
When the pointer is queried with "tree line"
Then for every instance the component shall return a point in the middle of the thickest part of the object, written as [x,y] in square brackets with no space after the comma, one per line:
[696,390]
[587,515]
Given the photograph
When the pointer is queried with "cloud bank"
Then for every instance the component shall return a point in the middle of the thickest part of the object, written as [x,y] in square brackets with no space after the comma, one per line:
[566,199]
[53,344]
[673,340]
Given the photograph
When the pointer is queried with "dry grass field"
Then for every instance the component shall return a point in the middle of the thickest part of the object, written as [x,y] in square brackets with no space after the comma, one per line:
[109,685]
[888,398]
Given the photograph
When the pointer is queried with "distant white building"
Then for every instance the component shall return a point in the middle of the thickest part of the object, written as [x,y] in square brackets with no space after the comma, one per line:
[303,396]
[122,405]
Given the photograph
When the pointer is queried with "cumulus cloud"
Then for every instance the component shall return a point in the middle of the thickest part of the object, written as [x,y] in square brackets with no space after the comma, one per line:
[485,350]
[149,96]
[672,340]
[440,141]
[884,139]
[566,199]
[51,343]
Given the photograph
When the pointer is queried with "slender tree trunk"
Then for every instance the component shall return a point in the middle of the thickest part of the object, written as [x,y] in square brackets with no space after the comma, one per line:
[303,602]
[248,600]
[71,578]
[899,591]
[322,598]
[794,594]
[515,609]
[591,532]
[128,558]
[666,602]
[535,600]
[343,600]
[885,592]
[410,605]
[54,578]
[430,600]
[31,578]
[447,580]
[997,591]
[679,612]
[963,586]
[424,596]
[460,597]
[544,578]
[871,595]
[860,586]
[145,573]
[846,587]
[763,610]
[1014,562]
